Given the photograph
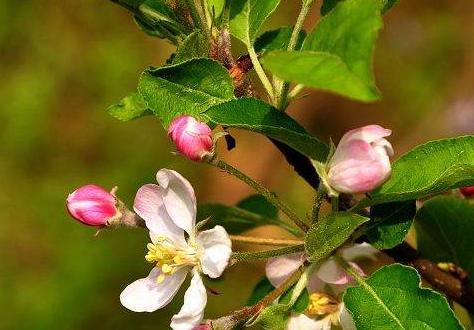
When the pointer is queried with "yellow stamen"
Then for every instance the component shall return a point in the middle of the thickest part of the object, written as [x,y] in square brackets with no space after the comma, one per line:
[321,304]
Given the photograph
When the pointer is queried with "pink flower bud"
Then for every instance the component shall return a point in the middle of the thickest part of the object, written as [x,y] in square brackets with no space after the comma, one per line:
[92,205]
[467,191]
[192,138]
[361,162]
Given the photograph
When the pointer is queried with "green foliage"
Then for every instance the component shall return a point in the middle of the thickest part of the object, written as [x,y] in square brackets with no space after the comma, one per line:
[444,231]
[274,317]
[248,16]
[329,5]
[331,232]
[216,7]
[258,116]
[261,289]
[392,299]
[300,304]
[194,46]
[189,88]
[251,212]
[337,54]
[130,107]
[278,39]
[428,169]
[389,223]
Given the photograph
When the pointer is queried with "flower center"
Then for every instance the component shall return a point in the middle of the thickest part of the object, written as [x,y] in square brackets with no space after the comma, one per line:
[321,304]
[170,258]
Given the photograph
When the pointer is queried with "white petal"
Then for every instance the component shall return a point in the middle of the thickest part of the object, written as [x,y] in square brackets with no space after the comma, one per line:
[179,199]
[346,320]
[302,322]
[280,269]
[147,295]
[359,251]
[192,312]
[217,249]
[149,206]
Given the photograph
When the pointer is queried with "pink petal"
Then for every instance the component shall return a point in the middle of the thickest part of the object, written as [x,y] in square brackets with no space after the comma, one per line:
[150,207]
[179,199]
[368,133]
[280,269]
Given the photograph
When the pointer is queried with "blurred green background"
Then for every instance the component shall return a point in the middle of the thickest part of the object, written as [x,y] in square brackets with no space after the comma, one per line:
[63,62]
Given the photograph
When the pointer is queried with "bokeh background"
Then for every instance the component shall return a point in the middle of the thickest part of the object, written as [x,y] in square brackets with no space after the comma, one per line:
[63,62]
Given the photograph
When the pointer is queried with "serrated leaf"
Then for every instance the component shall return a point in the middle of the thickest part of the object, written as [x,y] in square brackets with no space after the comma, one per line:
[278,39]
[189,88]
[130,107]
[428,169]
[258,116]
[331,232]
[195,45]
[274,317]
[248,16]
[390,223]
[261,289]
[444,230]
[251,212]
[392,299]
[338,53]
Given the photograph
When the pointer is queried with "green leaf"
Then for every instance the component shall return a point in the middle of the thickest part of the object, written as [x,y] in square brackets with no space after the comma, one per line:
[389,223]
[258,116]
[251,212]
[130,107]
[444,230]
[392,299]
[338,53]
[195,45]
[247,17]
[300,304]
[429,168]
[278,39]
[329,5]
[216,7]
[331,232]
[260,290]
[320,70]
[274,317]
[189,88]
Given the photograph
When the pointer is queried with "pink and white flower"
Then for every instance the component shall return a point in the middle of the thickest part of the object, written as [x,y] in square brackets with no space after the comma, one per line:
[92,206]
[169,211]
[361,161]
[192,138]
[328,274]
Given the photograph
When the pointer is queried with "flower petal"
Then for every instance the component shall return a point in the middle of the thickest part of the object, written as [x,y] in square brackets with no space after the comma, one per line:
[331,272]
[302,322]
[150,207]
[217,250]
[345,319]
[147,295]
[192,312]
[369,134]
[359,251]
[280,268]
[178,198]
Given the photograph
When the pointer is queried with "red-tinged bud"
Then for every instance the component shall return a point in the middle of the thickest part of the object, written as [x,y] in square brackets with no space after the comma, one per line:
[361,161]
[192,138]
[467,191]
[92,205]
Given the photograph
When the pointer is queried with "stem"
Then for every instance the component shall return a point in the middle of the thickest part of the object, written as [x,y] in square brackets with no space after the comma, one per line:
[272,198]
[283,86]
[265,241]
[318,201]
[349,269]
[260,72]
[335,204]
[295,91]
[251,256]
[301,284]
[207,14]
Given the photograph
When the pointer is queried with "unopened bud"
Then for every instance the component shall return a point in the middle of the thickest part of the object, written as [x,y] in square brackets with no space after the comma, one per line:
[467,191]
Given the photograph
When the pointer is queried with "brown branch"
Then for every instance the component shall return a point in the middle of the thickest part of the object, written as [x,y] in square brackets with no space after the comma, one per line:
[456,289]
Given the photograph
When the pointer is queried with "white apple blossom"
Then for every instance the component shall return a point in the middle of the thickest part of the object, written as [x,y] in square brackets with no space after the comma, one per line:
[169,211]
[323,311]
